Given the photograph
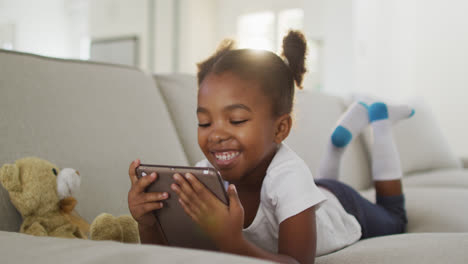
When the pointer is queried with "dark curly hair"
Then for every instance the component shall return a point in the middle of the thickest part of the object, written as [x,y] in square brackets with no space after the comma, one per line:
[275,75]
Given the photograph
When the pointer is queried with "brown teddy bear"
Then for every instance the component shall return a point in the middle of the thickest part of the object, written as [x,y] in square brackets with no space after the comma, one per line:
[43,194]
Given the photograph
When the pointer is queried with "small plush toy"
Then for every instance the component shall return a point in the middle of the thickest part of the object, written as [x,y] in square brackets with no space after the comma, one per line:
[43,194]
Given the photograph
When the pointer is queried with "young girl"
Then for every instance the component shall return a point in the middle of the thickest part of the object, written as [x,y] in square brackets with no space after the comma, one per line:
[276,212]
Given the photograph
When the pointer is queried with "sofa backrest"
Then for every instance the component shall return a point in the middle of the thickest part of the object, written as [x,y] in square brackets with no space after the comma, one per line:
[315,117]
[93,117]
[180,93]
[316,114]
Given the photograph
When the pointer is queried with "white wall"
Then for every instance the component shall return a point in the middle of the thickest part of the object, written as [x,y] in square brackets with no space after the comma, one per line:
[195,36]
[197,33]
[441,68]
[331,22]
[117,18]
[58,27]
[40,26]
[384,47]
[407,48]
[164,34]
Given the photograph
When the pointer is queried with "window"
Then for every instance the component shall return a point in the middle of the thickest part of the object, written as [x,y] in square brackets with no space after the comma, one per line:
[265,30]
[257,31]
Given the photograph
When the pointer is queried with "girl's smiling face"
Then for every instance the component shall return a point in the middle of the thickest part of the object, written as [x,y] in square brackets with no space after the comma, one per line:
[236,127]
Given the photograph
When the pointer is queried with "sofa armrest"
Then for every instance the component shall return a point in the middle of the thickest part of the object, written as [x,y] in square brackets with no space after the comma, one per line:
[464,162]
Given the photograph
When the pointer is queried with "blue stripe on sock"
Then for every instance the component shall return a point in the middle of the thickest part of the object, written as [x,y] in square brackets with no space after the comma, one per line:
[341,137]
[412,113]
[378,111]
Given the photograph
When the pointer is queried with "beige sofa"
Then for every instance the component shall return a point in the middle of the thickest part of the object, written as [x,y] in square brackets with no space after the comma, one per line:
[97,118]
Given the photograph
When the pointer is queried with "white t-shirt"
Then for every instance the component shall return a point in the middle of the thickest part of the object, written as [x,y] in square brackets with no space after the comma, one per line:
[288,189]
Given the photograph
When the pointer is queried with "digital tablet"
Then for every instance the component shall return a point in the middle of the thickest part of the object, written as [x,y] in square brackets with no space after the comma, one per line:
[175,225]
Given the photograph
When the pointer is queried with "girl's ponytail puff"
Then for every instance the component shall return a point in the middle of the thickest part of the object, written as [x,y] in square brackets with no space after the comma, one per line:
[294,53]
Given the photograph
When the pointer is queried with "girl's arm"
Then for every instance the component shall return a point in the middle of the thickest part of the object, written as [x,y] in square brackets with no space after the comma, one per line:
[297,235]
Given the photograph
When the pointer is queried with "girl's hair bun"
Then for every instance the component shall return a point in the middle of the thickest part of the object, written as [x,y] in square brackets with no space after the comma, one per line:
[294,51]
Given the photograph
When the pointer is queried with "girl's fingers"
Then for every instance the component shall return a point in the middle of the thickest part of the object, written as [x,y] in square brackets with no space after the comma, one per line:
[196,185]
[188,210]
[139,185]
[146,208]
[202,192]
[200,189]
[144,181]
[235,205]
[182,195]
[183,184]
[155,197]
[131,171]
[188,197]
[186,188]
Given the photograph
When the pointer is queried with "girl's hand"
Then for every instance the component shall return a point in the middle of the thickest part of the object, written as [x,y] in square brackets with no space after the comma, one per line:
[142,204]
[222,223]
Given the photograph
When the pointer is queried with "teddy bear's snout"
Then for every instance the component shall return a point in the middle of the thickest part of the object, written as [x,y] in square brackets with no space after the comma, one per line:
[68,182]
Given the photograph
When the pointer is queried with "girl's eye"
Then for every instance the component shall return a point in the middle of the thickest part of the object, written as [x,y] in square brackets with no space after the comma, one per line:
[204,125]
[238,122]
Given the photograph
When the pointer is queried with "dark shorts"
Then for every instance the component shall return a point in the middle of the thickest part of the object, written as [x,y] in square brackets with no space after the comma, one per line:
[386,217]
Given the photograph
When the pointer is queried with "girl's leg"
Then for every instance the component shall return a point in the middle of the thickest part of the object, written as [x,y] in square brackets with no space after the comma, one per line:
[349,126]
[385,159]
[386,166]
[388,215]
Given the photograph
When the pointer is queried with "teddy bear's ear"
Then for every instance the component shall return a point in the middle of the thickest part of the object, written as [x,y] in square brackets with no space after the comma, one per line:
[9,177]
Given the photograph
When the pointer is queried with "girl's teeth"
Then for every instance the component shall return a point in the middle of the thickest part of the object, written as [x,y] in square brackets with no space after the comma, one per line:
[226,155]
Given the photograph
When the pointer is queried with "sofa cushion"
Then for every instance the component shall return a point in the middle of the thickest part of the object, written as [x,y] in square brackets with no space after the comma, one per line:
[420,141]
[20,248]
[180,93]
[405,248]
[316,115]
[454,178]
[437,210]
[434,209]
[93,117]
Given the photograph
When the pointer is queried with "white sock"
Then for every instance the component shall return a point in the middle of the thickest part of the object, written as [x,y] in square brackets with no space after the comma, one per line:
[330,162]
[399,112]
[348,126]
[353,121]
[385,157]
